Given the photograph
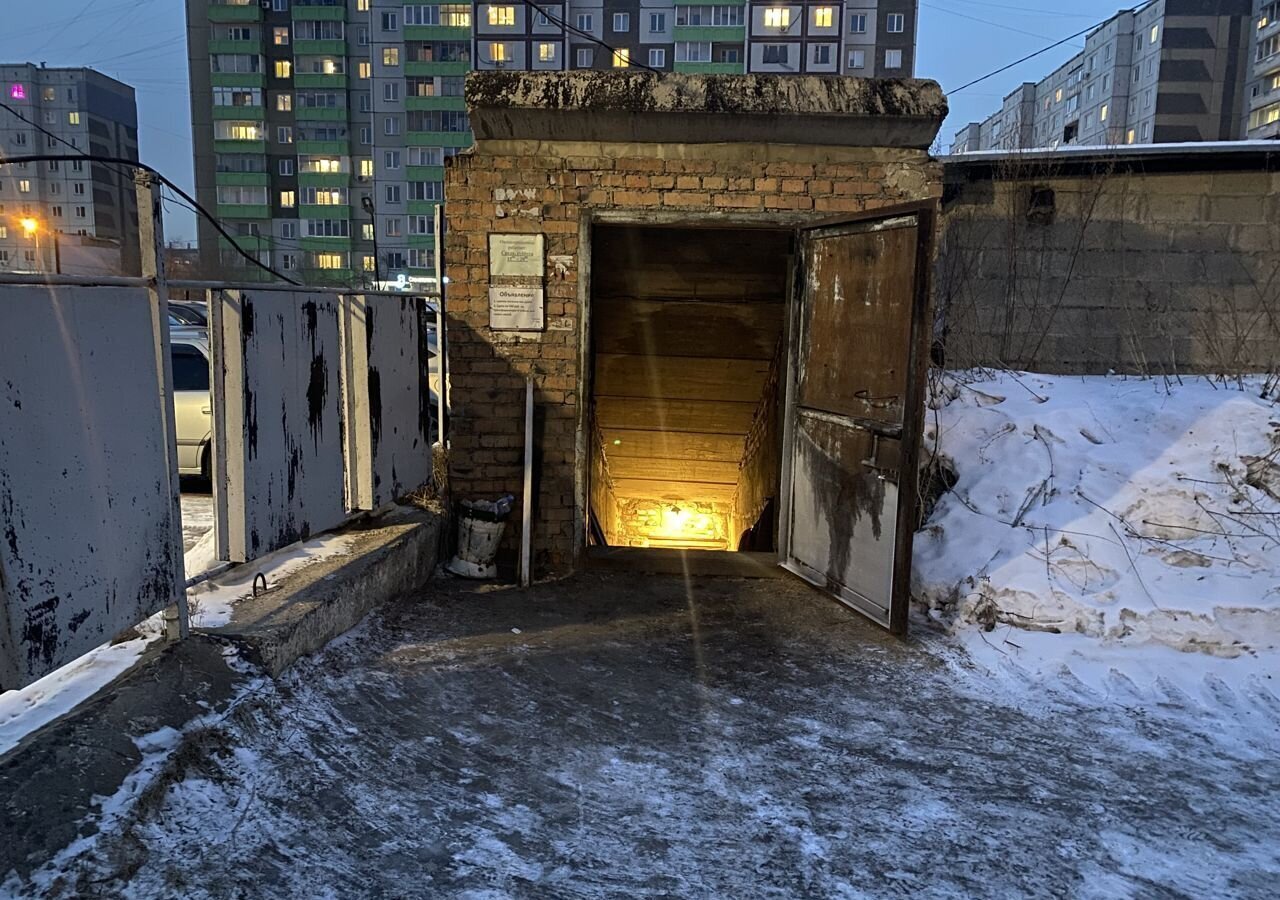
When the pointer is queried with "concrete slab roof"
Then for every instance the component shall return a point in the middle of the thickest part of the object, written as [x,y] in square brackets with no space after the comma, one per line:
[647,107]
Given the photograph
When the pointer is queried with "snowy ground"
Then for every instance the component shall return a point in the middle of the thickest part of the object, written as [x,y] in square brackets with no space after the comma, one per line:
[1137,513]
[197,515]
[608,737]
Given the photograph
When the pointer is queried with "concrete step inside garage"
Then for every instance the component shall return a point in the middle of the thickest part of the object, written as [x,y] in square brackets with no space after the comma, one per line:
[687,347]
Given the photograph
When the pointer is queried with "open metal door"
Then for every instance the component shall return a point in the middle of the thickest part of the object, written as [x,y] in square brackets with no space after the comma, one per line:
[854,409]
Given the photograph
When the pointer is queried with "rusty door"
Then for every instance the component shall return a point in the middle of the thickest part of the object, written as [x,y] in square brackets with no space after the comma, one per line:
[854,408]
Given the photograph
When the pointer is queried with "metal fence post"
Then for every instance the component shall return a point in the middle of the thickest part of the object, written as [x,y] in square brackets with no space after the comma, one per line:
[151,236]
[442,344]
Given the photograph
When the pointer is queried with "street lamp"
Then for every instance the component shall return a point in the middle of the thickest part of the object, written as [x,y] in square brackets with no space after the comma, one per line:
[31,228]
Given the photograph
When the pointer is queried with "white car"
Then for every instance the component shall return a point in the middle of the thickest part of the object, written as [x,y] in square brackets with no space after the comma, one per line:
[192,404]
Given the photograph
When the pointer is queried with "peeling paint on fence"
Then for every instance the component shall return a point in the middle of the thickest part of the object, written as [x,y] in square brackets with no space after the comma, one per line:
[277,419]
[386,389]
[90,543]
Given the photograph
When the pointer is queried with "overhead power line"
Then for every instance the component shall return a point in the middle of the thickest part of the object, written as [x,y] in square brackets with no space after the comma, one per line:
[1026,58]
[116,162]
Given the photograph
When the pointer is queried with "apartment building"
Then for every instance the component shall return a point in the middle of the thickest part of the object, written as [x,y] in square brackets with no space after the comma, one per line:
[85,209]
[1262,114]
[1165,72]
[321,126]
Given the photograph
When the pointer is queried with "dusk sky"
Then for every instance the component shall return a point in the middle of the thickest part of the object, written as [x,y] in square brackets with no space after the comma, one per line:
[143,43]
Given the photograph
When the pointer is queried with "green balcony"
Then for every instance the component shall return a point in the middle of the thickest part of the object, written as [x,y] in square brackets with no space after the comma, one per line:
[710,68]
[324,179]
[227,146]
[437,32]
[317,211]
[424,173]
[242,179]
[412,102]
[255,113]
[342,277]
[224,12]
[729,34]
[437,68]
[439,139]
[236,79]
[243,211]
[250,243]
[320,48]
[223,46]
[423,207]
[427,241]
[320,13]
[320,114]
[326,244]
[323,148]
[318,80]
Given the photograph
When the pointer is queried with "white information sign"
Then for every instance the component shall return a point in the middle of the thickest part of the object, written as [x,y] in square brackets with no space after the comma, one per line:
[516,309]
[517,255]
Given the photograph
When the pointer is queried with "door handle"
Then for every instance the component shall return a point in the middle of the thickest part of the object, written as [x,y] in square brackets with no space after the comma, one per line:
[208,410]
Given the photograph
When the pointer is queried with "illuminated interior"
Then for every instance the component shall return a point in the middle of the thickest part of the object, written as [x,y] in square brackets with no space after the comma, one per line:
[687,328]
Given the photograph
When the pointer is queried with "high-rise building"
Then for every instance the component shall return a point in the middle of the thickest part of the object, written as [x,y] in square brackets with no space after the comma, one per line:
[1262,115]
[1166,72]
[321,126]
[87,210]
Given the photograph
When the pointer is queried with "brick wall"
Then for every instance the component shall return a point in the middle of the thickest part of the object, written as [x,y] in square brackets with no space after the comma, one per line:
[555,189]
[1170,264]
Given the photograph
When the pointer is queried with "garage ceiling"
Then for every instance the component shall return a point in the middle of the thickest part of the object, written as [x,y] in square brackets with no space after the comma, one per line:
[686,324]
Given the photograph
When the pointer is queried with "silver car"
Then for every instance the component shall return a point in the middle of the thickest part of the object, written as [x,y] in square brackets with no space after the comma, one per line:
[193,413]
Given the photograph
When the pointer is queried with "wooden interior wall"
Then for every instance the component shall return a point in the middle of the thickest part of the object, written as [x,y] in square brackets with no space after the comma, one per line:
[686,323]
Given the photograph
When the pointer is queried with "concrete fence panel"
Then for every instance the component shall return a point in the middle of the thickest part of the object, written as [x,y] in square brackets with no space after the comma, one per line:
[90,536]
[387,397]
[278,419]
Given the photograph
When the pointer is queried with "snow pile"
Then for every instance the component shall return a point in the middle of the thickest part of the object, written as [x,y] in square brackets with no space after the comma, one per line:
[1132,511]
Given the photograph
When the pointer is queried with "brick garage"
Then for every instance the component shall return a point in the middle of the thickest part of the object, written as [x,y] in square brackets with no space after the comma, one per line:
[564,154]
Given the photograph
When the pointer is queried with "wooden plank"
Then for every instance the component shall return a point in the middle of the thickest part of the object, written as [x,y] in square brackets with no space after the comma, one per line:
[674,328]
[631,488]
[698,416]
[690,263]
[620,443]
[672,469]
[680,378]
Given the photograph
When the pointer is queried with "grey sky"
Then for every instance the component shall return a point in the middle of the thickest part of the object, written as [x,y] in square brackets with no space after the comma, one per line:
[142,42]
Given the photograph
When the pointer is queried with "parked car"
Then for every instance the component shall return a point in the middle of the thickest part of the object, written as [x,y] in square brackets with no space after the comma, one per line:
[187,313]
[193,413]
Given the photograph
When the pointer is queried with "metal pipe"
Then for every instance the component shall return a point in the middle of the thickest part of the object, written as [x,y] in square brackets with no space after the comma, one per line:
[526,511]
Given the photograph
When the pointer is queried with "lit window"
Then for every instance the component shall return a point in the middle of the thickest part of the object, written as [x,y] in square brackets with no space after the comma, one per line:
[24,186]
[498,53]
[1155,33]
[280,36]
[366,231]
[362,5]
[777,17]
[288,199]
[284,102]
[621,58]
[547,52]
[368,263]
[328,260]
[17,92]
[73,118]
[391,56]
[1102,115]
[284,68]
[822,17]
[365,70]
[502,15]
[366,168]
[1131,137]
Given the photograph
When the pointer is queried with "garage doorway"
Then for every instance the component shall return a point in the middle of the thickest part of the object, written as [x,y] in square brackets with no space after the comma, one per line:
[687,348]
[756,394]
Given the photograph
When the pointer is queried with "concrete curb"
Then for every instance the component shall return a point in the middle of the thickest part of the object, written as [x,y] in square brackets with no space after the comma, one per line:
[391,556]
[49,782]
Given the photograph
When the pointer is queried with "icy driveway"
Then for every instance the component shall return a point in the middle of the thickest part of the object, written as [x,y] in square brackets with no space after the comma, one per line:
[755,741]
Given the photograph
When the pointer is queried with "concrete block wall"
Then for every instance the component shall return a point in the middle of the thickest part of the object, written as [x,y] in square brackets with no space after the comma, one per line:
[1122,268]
[557,189]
